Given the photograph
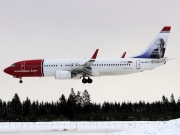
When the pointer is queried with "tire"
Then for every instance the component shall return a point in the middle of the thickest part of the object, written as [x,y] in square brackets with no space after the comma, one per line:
[20,81]
[90,80]
[84,80]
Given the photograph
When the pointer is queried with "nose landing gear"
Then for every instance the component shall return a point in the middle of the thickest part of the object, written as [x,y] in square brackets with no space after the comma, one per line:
[89,80]
[20,81]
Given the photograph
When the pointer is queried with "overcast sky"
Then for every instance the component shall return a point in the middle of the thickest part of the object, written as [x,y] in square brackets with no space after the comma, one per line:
[75,29]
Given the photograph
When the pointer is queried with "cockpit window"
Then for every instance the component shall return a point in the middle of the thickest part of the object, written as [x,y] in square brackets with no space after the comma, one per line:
[13,65]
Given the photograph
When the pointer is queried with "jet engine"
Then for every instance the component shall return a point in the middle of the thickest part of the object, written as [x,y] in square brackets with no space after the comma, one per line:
[63,75]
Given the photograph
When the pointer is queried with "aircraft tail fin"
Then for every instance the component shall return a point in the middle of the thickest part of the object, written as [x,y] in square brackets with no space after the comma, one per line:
[157,47]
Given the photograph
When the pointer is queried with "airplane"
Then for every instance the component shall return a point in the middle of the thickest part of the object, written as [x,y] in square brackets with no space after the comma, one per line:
[150,58]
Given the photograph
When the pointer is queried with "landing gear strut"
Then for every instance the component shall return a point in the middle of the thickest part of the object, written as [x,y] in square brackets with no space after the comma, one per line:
[20,81]
[89,80]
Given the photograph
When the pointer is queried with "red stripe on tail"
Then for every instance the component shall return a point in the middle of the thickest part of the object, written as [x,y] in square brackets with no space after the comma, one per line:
[166,28]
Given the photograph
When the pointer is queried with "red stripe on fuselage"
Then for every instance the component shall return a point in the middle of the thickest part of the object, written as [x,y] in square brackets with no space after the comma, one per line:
[27,68]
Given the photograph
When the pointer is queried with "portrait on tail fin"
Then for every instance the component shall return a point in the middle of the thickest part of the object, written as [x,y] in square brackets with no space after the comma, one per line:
[160,50]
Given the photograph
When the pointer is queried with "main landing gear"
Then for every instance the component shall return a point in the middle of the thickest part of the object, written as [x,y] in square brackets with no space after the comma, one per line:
[20,81]
[89,80]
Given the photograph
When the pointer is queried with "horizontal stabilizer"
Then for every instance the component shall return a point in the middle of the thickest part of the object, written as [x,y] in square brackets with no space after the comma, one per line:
[159,60]
[170,59]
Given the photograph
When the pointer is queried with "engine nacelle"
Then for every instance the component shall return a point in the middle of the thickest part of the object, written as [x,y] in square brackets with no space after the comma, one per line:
[63,75]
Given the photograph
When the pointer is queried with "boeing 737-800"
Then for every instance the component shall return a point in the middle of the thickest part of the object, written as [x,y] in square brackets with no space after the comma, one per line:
[152,57]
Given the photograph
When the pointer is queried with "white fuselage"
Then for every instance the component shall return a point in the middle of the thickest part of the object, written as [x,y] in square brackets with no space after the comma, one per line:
[101,67]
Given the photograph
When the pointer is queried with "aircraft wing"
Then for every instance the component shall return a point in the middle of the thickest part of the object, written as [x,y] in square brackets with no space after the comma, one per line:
[86,69]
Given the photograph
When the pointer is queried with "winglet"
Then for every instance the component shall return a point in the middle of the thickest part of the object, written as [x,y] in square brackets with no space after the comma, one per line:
[124,54]
[95,54]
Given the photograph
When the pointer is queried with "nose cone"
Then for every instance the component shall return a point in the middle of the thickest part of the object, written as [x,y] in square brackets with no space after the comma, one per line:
[6,70]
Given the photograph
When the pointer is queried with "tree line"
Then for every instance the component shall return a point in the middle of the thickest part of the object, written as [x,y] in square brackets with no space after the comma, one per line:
[78,107]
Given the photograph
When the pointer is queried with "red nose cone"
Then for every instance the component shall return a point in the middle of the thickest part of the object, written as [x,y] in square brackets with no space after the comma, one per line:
[7,71]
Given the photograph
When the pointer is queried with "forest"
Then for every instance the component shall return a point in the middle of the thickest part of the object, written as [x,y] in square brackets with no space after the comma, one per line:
[79,107]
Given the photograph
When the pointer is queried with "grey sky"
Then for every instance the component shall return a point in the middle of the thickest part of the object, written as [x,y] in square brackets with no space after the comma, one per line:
[75,29]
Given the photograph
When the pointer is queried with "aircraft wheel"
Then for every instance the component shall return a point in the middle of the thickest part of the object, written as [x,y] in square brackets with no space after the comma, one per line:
[90,80]
[20,81]
[84,80]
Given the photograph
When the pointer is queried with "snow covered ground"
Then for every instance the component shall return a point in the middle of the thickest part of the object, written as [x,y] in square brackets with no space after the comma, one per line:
[171,127]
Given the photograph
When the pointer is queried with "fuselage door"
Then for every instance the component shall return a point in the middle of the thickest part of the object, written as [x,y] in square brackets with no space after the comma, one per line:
[22,65]
[76,65]
[72,65]
[138,64]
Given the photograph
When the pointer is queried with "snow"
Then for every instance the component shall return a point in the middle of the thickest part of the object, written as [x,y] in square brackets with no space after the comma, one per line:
[171,127]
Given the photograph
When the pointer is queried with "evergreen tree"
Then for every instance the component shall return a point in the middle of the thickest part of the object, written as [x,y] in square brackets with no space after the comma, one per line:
[72,95]
[117,107]
[26,107]
[62,100]
[78,105]
[86,98]
[42,110]
[53,108]
[71,105]
[172,98]
[72,99]
[172,104]
[106,107]
[4,110]
[165,104]
[16,106]
[62,105]
[78,99]
[70,109]
[34,110]
[164,100]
